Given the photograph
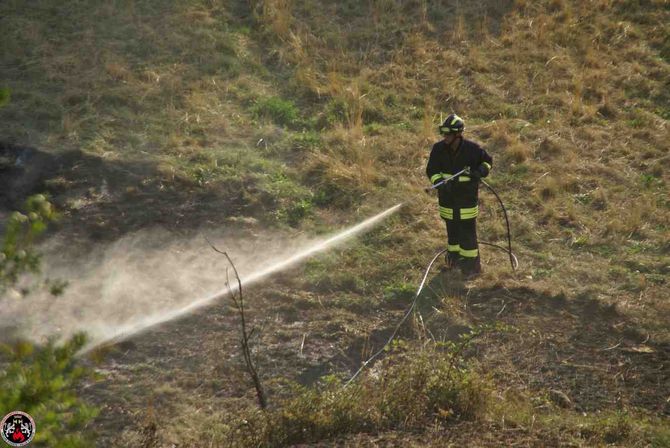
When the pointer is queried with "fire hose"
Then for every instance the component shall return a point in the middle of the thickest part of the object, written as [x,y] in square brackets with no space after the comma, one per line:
[402,321]
[513,261]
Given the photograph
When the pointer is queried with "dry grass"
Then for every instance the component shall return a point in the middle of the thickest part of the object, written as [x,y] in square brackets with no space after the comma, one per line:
[275,15]
[569,97]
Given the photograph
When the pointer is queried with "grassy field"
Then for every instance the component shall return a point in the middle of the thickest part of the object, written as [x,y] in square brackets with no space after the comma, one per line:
[304,117]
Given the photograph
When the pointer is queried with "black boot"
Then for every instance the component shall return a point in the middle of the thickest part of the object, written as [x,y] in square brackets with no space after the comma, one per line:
[451,260]
[470,267]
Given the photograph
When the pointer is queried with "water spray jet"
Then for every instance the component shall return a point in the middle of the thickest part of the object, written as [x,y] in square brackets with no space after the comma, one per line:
[123,332]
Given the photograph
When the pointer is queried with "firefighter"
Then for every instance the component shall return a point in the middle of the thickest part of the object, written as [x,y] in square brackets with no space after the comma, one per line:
[458,198]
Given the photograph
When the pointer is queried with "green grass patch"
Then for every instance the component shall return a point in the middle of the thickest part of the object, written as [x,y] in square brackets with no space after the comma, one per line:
[280,111]
[402,292]
[4,96]
[650,181]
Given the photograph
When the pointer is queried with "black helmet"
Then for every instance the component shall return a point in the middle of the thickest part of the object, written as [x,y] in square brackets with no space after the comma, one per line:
[452,124]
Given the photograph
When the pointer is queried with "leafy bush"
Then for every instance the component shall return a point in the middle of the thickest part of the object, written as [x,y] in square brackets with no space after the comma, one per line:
[410,390]
[399,292]
[17,255]
[41,381]
[297,211]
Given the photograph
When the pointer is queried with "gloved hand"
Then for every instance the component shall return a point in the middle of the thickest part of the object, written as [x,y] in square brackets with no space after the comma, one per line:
[479,172]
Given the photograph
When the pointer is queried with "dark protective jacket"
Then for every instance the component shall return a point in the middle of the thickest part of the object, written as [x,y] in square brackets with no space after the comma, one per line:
[458,198]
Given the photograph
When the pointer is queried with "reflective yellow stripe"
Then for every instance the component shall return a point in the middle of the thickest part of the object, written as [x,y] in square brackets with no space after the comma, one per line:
[466,213]
[445,175]
[469,213]
[447,213]
[453,248]
[455,120]
[462,178]
[487,165]
[469,253]
[435,177]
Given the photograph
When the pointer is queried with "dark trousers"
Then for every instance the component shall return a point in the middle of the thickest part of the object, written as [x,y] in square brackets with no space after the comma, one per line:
[462,241]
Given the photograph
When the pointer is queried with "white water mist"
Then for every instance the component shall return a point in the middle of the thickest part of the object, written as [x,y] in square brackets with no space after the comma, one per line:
[148,278]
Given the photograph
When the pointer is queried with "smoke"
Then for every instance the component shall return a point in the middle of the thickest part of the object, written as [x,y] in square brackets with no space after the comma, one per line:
[149,277]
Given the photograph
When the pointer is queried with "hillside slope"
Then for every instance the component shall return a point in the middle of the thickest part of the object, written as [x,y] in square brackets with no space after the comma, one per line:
[308,116]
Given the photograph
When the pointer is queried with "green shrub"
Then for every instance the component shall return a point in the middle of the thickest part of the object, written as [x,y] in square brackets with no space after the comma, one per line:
[4,96]
[297,211]
[282,112]
[16,254]
[399,292]
[42,382]
[413,388]
[38,380]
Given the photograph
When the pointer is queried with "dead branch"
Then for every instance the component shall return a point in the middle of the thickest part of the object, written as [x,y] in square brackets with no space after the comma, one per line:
[238,301]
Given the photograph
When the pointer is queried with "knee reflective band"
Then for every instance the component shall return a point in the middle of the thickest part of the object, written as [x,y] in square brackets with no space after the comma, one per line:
[453,248]
[447,213]
[487,165]
[463,178]
[466,213]
[469,213]
[435,177]
[473,253]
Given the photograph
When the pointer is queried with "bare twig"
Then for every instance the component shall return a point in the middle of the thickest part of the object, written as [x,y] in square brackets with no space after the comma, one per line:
[251,333]
[536,180]
[614,346]
[502,309]
[302,344]
[238,301]
[149,429]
